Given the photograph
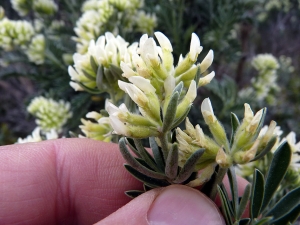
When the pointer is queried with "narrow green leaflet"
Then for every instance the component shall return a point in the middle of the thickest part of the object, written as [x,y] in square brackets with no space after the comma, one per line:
[188,167]
[172,162]
[286,204]
[257,193]
[244,201]
[234,125]
[289,218]
[234,189]
[157,154]
[276,172]
[149,181]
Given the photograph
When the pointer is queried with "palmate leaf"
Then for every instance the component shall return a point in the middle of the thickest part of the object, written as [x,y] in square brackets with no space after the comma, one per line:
[135,164]
[145,155]
[157,154]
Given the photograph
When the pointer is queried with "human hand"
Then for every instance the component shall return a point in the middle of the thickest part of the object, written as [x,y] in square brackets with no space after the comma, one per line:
[81,181]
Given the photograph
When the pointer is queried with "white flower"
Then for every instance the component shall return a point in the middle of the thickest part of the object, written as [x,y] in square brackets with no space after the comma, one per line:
[195,47]
[207,61]
[50,114]
[118,126]
[207,110]
[34,137]
[207,79]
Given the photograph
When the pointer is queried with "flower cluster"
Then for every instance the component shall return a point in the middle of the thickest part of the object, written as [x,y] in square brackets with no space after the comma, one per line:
[45,7]
[145,22]
[243,147]
[99,15]
[36,49]
[41,7]
[100,130]
[50,114]
[157,87]
[99,68]
[264,86]
[15,33]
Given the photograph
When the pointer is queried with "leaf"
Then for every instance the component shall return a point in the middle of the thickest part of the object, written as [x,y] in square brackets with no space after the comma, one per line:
[93,64]
[225,204]
[170,112]
[268,148]
[172,162]
[116,72]
[290,201]
[100,78]
[235,123]
[180,119]
[133,193]
[157,154]
[135,164]
[198,76]
[276,172]
[233,189]
[131,145]
[263,221]
[144,154]
[149,181]
[257,193]
[289,218]
[189,166]
[89,90]
[244,201]
[87,75]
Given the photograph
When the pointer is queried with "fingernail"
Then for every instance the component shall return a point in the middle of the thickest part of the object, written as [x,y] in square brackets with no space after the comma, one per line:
[178,204]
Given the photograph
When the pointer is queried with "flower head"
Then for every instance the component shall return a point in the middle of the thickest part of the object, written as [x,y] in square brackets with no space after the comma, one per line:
[50,114]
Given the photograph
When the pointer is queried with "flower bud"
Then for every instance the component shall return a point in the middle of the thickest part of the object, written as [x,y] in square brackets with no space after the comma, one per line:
[223,159]
[242,157]
[214,125]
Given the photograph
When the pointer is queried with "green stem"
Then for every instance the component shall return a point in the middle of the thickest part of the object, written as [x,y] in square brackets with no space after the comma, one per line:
[219,178]
[164,144]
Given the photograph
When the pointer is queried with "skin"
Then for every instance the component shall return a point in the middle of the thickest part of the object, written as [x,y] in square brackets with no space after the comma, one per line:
[69,181]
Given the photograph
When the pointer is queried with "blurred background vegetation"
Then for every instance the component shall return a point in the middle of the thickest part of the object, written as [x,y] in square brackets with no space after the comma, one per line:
[237,31]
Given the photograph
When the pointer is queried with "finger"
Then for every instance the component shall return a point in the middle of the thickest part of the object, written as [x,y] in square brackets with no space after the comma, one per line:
[175,204]
[62,181]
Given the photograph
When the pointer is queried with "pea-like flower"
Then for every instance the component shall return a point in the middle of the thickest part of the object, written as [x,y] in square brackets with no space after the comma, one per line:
[50,114]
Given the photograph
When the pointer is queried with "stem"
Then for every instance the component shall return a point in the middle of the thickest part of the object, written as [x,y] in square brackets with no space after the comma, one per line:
[219,178]
[164,144]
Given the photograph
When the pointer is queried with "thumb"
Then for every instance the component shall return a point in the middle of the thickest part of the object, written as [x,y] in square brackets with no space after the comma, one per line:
[176,204]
